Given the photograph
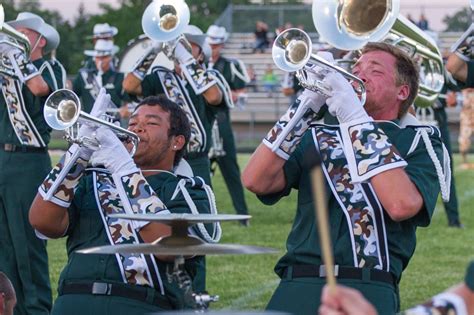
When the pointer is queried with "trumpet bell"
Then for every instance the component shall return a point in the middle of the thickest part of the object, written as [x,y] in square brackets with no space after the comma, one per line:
[164,20]
[349,25]
[62,109]
[291,50]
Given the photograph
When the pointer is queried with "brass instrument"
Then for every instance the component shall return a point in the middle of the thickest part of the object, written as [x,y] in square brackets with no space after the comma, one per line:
[291,52]
[350,24]
[62,111]
[11,37]
[164,21]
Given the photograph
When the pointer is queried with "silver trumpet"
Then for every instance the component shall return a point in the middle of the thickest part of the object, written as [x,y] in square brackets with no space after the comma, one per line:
[62,111]
[12,37]
[291,52]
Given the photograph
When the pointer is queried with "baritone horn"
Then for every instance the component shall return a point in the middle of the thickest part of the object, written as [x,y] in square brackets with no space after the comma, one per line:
[164,22]
[292,52]
[12,37]
[62,111]
[350,24]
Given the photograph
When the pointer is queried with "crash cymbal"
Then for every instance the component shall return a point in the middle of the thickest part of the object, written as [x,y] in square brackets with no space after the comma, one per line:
[188,250]
[182,217]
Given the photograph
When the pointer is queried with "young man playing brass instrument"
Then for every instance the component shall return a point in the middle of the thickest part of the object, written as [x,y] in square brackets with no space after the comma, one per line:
[383,175]
[76,201]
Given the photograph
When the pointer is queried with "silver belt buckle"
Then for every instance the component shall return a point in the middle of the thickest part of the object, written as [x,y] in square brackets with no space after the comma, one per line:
[323,273]
[101,288]
[8,147]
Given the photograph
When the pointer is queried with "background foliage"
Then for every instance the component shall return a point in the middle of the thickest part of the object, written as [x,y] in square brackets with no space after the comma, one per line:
[127,18]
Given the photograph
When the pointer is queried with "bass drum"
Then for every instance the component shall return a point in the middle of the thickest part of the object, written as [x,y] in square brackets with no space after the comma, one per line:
[135,49]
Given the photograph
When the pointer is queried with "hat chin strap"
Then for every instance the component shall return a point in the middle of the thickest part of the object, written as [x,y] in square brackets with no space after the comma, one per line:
[36,43]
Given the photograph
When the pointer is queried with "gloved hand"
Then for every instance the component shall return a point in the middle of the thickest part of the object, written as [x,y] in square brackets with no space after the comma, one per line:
[142,65]
[112,153]
[311,99]
[343,102]
[89,131]
[24,68]
[182,54]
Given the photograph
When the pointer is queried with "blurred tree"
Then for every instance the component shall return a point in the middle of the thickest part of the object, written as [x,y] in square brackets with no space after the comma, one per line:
[459,21]
[126,17]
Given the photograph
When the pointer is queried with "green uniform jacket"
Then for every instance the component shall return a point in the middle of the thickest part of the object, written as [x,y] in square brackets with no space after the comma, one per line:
[86,229]
[111,81]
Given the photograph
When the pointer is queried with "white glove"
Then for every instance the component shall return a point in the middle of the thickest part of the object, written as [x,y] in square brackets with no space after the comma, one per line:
[182,54]
[112,153]
[311,99]
[343,102]
[89,131]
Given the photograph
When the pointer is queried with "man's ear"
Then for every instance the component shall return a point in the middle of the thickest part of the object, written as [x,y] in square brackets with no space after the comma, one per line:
[403,92]
[178,142]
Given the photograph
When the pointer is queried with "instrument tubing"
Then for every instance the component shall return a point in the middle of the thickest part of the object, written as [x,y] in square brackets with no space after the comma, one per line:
[133,292]
[8,147]
[340,272]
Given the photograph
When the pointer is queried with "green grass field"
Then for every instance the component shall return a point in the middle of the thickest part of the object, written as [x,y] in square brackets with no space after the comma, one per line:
[247,282]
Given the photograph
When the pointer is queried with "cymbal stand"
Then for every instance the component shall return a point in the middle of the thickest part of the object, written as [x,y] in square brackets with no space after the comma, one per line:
[199,301]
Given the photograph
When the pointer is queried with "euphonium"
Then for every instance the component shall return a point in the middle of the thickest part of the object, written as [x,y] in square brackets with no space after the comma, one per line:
[164,21]
[62,111]
[350,24]
[12,37]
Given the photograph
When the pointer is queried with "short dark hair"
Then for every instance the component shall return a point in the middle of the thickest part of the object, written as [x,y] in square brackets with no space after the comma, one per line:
[179,122]
[407,71]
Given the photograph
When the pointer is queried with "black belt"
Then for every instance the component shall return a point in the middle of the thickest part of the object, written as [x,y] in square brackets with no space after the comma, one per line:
[119,290]
[8,147]
[341,272]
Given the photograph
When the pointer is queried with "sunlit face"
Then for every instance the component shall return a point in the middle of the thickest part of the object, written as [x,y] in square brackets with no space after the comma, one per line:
[377,69]
[151,124]
[33,37]
[216,50]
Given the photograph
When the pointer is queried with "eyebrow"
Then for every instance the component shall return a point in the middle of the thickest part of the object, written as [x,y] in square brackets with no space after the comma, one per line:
[373,62]
[148,116]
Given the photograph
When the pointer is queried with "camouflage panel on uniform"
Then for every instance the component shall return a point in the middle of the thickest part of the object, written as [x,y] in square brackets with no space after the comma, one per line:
[466,120]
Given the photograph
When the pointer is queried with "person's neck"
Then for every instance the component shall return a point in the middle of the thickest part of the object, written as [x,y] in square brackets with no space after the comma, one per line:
[216,57]
[35,55]
[383,115]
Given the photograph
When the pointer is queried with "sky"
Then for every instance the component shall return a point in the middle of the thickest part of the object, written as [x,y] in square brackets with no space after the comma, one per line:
[434,10]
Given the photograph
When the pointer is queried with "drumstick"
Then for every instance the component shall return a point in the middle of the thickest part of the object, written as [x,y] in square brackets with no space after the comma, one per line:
[320,209]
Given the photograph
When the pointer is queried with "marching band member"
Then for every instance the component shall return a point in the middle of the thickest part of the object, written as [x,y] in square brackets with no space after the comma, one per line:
[101,31]
[196,92]
[75,202]
[461,66]
[383,177]
[90,80]
[235,74]
[24,136]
